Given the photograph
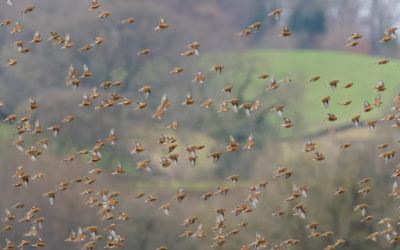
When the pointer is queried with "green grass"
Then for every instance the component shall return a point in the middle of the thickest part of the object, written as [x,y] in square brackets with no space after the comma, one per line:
[303,98]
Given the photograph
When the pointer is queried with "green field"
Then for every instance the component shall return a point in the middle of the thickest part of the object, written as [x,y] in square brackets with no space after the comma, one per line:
[303,97]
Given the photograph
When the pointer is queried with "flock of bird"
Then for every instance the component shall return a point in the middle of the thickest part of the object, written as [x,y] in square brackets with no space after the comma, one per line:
[106,202]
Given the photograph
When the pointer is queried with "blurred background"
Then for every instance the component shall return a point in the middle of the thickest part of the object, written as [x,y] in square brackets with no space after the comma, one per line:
[317,46]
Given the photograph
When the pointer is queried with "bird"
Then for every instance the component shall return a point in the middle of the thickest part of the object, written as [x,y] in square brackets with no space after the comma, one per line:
[17,27]
[188,100]
[275,13]
[331,117]
[195,46]
[95,5]
[245,32]
[325,101]
[215,156]
[367,106]
[180,195]
[285,32]
[378,101]
[380,86]
[104,14]
[199,78]
[218,69]
[345,102]
[348,85]
[287,123]
[333,84]
[144,52]
[68,42]
[206,104]
[381,62]
[162,25]
[146,90]
[352,43]
[355,36]
[255,26]
[176,71]
[129,20]
[314,79]
[272,84]
[36,38]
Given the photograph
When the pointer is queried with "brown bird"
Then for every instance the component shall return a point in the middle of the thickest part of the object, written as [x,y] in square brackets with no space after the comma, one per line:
[144,52]
[207,103]
[285,31]
[275,13]
[36,38]
[95,5]
[190,221]
[104,14]
[17,27]
[11,62]
[129,20]
[144,164]
[5,22]
[345,145]
[176,71]
[199,78]
[339,191]
[207,195]
[188,100]
[67,43]
[245,32]
[287,123]
[380,86]
[263,76]
[325,101]
[215,156]
[33,105]
[68,118]
[362,207]
[218,69]
[195,46]
[373,236]
[234,178]
[98,41]
[51,195]
[314,79]
[365,191]
[387,155]
[333,84]
[371,124]
[278,109]
[355,36]
[256,26]
[180,195]
[331,117]
[378,100]
[345,102]
[162,25]
[55,130]
[352,43]
[86,48]
[386,38]
[272,84]
[356,120]
[188,53]
[112,137]
[367,106]
[146,90]
[385,61]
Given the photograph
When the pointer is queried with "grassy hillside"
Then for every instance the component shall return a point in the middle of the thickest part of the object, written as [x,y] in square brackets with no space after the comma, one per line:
[303,97]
